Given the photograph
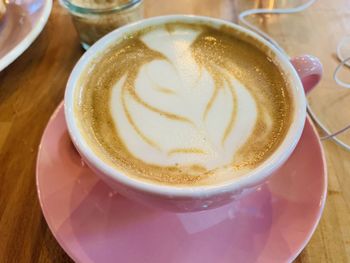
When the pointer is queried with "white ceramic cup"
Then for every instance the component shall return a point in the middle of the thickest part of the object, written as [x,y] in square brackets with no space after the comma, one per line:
[182,199]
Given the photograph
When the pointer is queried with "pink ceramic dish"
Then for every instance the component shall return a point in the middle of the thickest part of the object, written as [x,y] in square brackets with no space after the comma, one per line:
[22,23]
[198,197]
[93,223]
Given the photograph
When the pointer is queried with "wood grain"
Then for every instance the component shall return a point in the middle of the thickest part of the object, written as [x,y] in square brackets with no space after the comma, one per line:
[33,86]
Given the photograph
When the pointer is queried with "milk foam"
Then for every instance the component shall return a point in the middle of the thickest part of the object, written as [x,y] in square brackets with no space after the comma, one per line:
[172,121]
[184,104]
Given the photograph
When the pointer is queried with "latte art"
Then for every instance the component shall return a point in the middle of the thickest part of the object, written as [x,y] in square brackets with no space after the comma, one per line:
[184,104]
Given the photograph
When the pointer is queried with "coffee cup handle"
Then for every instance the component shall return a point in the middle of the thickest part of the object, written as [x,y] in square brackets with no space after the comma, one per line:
[309,69]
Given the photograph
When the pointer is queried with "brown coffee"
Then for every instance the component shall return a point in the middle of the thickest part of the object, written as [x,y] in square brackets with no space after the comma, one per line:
[184,104]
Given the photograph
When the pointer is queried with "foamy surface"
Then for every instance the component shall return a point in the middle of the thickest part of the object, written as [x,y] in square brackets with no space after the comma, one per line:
[186,106]
[201,135]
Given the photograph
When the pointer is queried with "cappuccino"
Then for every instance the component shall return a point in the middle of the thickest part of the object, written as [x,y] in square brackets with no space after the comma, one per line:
[184,104]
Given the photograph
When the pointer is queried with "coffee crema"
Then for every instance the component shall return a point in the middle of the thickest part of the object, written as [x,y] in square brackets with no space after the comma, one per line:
[184,104]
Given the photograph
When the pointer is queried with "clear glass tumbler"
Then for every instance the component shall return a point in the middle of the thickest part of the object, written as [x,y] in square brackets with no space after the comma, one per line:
[95,18]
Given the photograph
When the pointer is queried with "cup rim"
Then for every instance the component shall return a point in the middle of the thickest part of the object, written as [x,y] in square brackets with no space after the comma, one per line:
[261,172]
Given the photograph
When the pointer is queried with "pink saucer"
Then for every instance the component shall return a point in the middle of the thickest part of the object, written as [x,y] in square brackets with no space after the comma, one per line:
[95,224]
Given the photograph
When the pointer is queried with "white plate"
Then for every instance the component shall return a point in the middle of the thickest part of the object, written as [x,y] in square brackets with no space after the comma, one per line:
[22,23]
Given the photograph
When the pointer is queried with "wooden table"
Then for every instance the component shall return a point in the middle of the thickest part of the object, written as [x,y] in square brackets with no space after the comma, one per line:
[32,87]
